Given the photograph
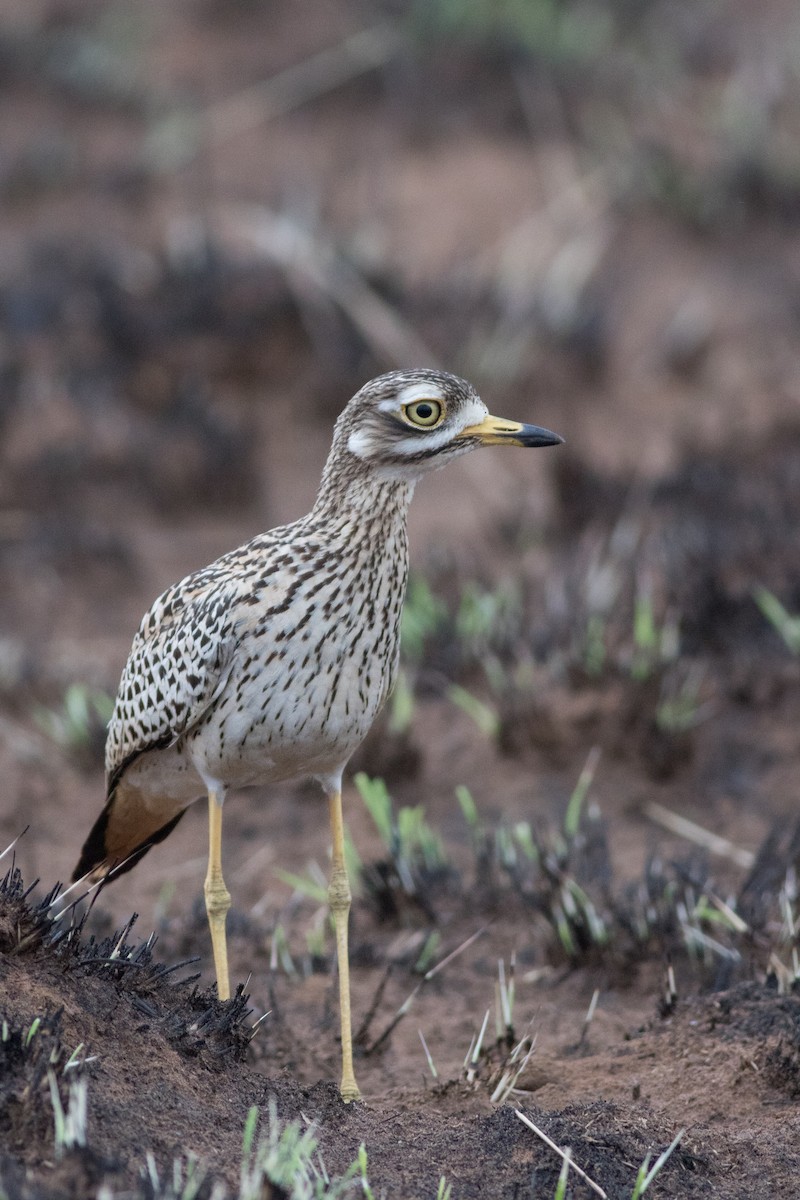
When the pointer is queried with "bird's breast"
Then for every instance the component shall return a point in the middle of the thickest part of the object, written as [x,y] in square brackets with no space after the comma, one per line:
[307,683]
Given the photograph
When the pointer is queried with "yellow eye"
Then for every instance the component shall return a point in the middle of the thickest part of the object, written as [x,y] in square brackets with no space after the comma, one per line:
[423,412]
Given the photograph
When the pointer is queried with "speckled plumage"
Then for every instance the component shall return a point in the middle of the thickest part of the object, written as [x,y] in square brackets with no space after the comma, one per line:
[270,663]
[274,661]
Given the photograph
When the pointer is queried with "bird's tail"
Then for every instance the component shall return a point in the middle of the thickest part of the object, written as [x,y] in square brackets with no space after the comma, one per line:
[123,833]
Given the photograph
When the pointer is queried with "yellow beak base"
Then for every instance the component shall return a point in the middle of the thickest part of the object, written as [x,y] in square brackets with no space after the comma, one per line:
[497,431]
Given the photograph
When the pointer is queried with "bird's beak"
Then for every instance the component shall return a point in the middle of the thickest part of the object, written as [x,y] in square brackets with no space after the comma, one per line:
[497,431]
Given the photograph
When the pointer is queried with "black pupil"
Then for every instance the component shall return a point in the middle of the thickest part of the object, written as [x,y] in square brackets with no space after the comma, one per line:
[424,411]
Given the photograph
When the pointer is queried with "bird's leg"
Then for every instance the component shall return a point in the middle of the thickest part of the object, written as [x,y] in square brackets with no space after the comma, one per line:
[218,898]
[339,901]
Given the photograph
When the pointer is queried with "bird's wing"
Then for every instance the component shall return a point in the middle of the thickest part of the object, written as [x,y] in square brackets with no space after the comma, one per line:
[178,665]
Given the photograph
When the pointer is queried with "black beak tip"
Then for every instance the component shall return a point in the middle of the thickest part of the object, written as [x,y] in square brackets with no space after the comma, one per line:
[535,435]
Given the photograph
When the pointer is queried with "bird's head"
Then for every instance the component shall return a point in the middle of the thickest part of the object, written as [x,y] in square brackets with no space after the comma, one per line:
[407,423]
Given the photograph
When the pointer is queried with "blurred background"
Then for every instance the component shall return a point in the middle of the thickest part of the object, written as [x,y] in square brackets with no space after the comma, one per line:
[217,220]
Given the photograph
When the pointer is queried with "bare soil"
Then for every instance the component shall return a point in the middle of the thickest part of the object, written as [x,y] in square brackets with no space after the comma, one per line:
[591,243]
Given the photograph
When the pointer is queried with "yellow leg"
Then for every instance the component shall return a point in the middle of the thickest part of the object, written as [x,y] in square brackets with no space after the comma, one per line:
[218,898]
[339,900]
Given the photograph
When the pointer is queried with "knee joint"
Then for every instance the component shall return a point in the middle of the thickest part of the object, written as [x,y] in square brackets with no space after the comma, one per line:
[339,896]
[218,898]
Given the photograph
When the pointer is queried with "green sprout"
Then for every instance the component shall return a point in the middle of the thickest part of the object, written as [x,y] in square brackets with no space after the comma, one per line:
[310,885]
[401,710]
[484,716]
[424,615]
[561,1187]
[468,807]
[280,954]
[187,1179]
[375,795]
[82,710]
[407,835]
[362,1166]
[652,646]
[784,622]
[646,1176]
[428,952]
[428,1055]
[70,1125]
[505,990]
[286,1156]
[572,817]
[316,939]
[483,613]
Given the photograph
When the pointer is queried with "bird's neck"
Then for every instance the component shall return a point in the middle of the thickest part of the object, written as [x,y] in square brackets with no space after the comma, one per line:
[350,489]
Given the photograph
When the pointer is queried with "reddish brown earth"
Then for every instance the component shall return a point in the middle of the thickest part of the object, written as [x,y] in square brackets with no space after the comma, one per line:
[606,241]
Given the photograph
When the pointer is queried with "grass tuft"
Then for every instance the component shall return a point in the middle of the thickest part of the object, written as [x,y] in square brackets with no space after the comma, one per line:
[70,1123]
[416,856]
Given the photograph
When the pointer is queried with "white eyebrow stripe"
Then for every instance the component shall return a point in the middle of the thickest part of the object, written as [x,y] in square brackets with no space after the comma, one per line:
[419,391]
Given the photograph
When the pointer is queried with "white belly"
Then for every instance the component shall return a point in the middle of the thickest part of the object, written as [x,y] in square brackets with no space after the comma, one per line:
[284,723]
[276,722]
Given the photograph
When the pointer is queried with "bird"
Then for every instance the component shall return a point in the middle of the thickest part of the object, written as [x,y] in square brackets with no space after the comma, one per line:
[273,662]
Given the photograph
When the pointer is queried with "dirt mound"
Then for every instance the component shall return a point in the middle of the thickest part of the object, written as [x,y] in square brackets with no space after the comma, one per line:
[166,1075]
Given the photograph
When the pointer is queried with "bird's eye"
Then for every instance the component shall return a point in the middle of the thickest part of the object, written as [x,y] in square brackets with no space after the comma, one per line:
[423,412]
